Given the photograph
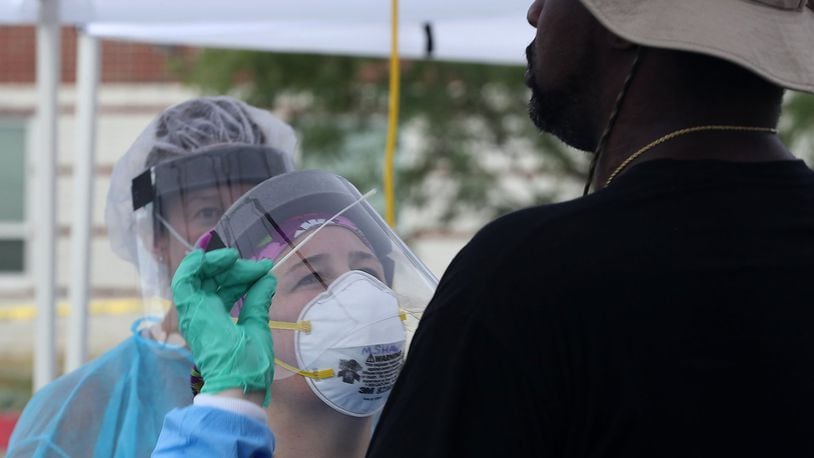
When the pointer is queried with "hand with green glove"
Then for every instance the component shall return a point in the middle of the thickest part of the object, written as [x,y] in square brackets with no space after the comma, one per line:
[229,355]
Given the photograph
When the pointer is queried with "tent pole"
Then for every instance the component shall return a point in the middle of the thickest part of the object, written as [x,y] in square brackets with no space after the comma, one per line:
[48,79]
[87,80]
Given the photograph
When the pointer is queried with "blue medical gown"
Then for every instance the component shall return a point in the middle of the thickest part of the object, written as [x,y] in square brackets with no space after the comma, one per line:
[209,432]
[113,406]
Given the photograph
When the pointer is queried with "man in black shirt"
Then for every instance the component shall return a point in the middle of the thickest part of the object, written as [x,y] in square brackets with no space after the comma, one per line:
[668,314]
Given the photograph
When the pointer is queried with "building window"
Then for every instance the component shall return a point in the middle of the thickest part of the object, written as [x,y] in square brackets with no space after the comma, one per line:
[12,197]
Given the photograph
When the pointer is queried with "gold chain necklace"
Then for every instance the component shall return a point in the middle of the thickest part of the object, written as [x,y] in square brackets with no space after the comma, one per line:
[679,133]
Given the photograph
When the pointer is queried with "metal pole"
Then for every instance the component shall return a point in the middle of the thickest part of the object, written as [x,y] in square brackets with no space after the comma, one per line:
[87,80]
[392,118]
[48,78]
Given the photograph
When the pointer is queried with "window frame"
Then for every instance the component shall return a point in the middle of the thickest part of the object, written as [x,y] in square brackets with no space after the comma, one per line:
[23,229]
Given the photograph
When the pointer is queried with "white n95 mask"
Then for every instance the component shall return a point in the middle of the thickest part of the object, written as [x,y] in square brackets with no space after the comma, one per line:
[350,344]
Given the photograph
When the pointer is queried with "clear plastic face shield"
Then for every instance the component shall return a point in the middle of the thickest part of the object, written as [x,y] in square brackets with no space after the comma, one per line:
[349,291]
[178,201]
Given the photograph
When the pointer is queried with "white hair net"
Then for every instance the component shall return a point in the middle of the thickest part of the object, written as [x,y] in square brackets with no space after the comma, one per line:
[181,130]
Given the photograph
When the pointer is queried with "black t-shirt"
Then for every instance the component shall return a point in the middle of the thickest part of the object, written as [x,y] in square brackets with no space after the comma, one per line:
[668,315]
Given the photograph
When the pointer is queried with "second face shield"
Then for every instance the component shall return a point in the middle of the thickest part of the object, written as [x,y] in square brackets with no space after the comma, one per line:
[178,200]
[349,291]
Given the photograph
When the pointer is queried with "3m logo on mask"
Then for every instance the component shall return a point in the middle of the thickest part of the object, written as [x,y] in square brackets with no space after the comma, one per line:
[349,370]
[381,369]
[364,378]
[382,359]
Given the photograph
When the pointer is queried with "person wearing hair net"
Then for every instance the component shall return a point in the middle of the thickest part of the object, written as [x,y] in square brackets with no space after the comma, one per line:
[190,164]
[323,299]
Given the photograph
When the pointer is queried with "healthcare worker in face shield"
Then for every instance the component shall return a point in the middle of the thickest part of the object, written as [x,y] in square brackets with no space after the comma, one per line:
[175,182]
[329,326]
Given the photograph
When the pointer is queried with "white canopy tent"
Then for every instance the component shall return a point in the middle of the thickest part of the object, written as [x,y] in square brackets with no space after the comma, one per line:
[243,11]
[469,30]
[500,40]
[460,30]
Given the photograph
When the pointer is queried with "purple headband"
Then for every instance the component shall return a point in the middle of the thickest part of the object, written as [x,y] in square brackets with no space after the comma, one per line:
[285,234]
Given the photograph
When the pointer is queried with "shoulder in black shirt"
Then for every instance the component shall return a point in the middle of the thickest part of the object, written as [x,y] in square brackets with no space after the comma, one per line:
[669,314]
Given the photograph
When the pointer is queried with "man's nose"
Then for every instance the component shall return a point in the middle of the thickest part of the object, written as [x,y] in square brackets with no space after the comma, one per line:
[534,12]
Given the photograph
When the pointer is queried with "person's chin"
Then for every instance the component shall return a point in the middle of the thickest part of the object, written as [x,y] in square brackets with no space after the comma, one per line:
[553,118]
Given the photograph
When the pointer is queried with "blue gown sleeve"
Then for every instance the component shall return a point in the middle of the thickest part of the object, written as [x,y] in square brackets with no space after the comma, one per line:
[203,431]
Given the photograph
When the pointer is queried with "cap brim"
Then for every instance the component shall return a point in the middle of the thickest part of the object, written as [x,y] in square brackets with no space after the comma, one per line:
[774,43]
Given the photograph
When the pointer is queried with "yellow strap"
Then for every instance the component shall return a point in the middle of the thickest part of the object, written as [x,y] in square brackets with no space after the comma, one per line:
[393,117]
[301,326]
[305,325]
[320,374]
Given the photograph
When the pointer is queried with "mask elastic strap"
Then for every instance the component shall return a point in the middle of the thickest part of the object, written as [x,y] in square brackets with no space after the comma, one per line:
[320,374]
[305,326]
[300,326]
[175,233]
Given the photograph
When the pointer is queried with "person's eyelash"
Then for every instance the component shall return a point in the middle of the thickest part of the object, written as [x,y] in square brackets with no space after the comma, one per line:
[307,280]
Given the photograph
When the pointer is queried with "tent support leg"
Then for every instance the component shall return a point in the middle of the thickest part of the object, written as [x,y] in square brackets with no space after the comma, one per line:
[87,81]
[48,79]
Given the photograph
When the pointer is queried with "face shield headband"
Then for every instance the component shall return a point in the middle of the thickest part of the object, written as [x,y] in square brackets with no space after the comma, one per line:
[215,166]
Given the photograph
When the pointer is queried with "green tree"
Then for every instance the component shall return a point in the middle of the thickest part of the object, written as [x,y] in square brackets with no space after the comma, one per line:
[465,136]
[797,126]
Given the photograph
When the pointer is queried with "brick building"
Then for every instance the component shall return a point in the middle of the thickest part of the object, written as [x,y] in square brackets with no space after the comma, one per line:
[136,84]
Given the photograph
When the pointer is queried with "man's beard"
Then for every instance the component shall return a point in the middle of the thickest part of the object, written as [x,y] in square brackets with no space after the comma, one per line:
[557,111]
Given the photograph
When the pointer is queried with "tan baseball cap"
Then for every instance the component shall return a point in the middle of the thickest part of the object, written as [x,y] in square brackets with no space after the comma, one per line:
[773,38]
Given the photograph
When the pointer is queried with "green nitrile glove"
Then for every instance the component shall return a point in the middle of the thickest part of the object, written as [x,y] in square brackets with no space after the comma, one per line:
[229,355]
